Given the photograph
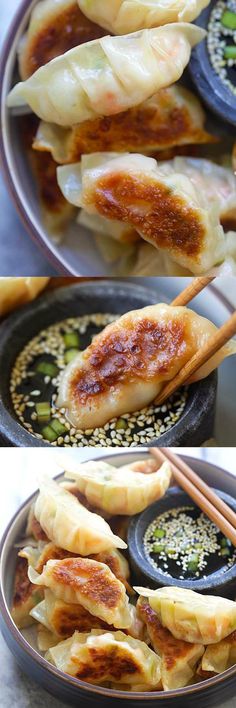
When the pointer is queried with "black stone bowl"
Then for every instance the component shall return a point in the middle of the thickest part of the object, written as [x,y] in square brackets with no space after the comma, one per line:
[217,96]
[217,583]
[197,421]
[74,692]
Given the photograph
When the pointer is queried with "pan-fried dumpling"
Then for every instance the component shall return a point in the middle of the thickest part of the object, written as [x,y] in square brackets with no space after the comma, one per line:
[63,619]
[173,116]
[108,75]
[25,596]
[127,363]
[88,583]
[118,490]
[15,292]
[115,229]
[69,525]
[55,27]
[195,618]
[108,656]
[221,656]
[163,205]
[122,16]
[178,658]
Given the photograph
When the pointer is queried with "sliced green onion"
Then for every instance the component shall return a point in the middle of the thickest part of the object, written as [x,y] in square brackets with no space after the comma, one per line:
[230,52]
[223,542]
[192,566]
[72,340]
[47,368]
[49,434]
[225,552]
[121,424]
[171,551]
[70,354]
[159,533]
[229,19]
[194,557]
[58,427]
[43,410]
[158,548]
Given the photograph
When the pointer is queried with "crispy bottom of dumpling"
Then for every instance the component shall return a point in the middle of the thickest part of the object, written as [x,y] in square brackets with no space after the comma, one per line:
[25,595]
[62,30]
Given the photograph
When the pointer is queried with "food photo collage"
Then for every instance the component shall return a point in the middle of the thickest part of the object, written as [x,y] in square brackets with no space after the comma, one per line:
[118,353]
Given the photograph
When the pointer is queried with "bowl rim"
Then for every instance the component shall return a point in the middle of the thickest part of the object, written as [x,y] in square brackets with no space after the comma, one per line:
[36,236]
[175,496]
[12,429]
[77,683]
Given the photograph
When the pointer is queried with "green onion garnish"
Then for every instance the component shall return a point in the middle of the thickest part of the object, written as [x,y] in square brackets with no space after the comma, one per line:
[157,548]
[43,410]
[121,424]
[47,368]
[70,354]
[224,552]
[229,19]
[159,533]
[72,340]
[49,434]
[230,52]
[192,566]
[58,427]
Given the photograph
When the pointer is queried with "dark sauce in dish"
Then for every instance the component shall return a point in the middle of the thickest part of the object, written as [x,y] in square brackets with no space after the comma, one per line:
[184,544]
[221,41]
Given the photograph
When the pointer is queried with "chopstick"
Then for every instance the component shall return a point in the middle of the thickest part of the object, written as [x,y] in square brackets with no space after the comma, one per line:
[212,346]
[219,512]
[192,290]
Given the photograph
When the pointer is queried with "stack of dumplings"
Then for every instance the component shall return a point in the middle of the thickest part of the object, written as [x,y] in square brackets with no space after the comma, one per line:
[90,622]
[108,105]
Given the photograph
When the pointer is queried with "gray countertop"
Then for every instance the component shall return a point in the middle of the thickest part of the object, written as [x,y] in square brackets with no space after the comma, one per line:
[18,691]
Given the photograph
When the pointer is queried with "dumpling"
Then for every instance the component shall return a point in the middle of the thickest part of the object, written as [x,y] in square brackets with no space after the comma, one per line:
[163,205]
[178,658]
[63,619]
[55,27]
[115,229]
[152,261]
[69,525]
[118,490]
[88,583]
[173,116]
[122,16]
[108,656]
[25,596]
[195,618]
[218,183]
[127,363]
[38,556]
[221,656]
[108,75]
[15,292]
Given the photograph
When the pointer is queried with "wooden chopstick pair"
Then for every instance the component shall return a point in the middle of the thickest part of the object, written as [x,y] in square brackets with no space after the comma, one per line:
[214,507]
[212,346]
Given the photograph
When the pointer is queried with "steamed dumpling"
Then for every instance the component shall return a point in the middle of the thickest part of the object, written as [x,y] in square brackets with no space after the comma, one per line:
[122,16]
[173,116]
[178,658]
[108,656]
[221,656]
[126,364]
[108,75]
[88,583]
[163,205]
[119,490]
[55,27]
[191,617]
[69,525]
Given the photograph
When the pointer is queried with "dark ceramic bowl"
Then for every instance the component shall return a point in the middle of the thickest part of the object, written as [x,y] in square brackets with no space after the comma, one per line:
[73,691]
[216,583]
[217,96]
[196,423]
